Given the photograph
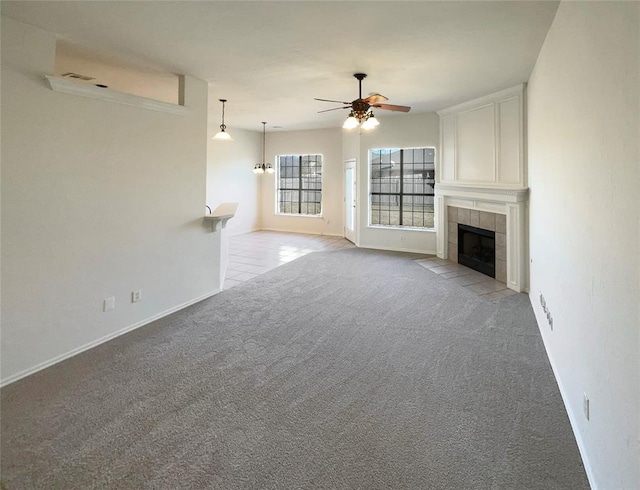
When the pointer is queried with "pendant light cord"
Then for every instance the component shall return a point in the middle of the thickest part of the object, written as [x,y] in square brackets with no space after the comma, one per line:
[222,126]
[264,133]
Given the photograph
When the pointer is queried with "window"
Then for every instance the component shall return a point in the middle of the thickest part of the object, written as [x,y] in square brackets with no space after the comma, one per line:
[401,187]
[299,184]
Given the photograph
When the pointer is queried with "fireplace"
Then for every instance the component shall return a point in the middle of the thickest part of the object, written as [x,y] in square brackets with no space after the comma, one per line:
[477,249]
[488,225]
[499,210]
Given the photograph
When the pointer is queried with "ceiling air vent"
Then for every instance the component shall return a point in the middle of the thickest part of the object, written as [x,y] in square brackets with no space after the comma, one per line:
[77,76]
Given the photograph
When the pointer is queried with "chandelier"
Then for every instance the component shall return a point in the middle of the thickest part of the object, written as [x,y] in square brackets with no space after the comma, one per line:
[260,168]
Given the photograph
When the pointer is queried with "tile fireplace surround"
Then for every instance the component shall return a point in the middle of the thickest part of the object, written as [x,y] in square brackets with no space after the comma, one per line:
[485,221]
[496,206]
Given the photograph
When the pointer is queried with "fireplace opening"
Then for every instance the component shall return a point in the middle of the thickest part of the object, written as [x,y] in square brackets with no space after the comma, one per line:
[477,249]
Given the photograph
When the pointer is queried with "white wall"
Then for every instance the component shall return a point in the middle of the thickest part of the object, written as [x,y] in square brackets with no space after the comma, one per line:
[328,143]
[583,133]
[230,176]
[401,131]
[98,200]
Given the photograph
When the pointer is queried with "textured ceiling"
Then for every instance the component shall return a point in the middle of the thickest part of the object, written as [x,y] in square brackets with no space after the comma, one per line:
[270,59]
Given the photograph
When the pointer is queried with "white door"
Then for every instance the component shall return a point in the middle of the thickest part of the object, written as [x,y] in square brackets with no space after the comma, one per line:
[350,200]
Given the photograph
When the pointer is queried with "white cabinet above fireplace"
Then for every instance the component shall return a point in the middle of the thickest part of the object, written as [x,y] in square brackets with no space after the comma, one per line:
[482,142]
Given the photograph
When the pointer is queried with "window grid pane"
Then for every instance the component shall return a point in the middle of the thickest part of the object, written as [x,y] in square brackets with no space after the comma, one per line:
[402,182]
[299,184]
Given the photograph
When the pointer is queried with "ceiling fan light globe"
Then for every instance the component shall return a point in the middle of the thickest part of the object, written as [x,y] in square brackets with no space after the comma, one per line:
[368,124]
[373,121]
[350,123]
[270,168]
[257,169]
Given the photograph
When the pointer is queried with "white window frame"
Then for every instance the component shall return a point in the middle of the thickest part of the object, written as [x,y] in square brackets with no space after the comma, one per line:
[278,189]
[370,223]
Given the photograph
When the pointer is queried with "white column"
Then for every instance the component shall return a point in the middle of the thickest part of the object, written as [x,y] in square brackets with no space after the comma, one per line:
[516,271]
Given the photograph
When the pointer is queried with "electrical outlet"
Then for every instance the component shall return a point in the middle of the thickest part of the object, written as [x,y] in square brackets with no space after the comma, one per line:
[109,304]
[543,303]
[136,296]
[585,406]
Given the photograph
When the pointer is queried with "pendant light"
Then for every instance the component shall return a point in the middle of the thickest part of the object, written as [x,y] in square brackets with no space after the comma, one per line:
[260,168]
[222,135]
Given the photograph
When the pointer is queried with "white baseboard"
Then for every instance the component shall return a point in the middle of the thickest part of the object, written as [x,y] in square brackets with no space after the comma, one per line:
[302,232]
[54,360]
[572,416]
[398,249]
[244,232]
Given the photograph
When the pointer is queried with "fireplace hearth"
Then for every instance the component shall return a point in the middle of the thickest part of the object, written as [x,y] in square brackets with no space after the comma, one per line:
[477,249]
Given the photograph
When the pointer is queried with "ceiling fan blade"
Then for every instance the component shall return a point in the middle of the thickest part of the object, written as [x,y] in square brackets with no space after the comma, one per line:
[336,101]
[391,107]
[375,99]
[335,109]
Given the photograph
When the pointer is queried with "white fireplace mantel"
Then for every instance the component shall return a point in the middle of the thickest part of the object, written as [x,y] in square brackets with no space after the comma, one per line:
[511,202]
[483,166]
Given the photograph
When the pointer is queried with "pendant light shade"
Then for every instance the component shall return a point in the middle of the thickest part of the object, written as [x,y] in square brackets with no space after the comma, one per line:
[222,135]
[261,168]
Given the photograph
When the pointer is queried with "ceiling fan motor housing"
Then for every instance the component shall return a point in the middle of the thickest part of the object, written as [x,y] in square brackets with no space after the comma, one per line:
[360,105]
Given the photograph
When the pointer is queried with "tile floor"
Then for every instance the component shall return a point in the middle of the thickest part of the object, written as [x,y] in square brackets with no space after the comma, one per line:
[474,281]
[252,254]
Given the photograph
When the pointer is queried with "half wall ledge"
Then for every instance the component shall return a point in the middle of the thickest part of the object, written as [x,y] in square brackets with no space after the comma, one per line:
[221,215]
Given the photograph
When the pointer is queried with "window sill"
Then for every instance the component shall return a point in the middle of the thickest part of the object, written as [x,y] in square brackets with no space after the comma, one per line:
[402,228]
[319,216]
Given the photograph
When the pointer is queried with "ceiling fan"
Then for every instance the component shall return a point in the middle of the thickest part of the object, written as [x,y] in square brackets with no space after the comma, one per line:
[361,113]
